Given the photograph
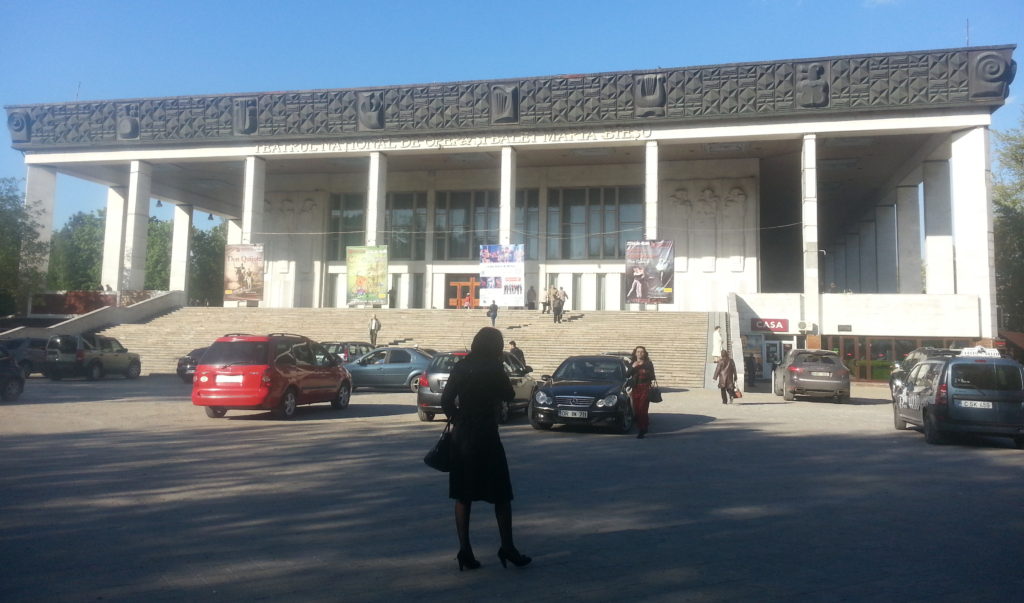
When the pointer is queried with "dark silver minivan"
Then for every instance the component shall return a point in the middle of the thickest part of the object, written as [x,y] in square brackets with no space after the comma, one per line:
[976,391]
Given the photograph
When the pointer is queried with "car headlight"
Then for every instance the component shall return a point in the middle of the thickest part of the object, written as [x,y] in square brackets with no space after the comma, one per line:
[542,398]
[608,401]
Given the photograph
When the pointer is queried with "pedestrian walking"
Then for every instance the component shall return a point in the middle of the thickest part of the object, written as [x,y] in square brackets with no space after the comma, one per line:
[725,372]
[641,375]
[492,312]
[517,352]
[374,329]
[475,389]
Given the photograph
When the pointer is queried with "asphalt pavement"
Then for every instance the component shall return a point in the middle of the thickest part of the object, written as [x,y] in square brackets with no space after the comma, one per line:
[121,490]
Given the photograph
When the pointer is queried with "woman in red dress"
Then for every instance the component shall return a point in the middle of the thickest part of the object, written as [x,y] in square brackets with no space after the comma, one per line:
[641,374]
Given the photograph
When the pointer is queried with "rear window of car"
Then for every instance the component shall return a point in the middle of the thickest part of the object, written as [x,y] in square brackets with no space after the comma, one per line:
[10,344]
[236,352]
[444,363]
[66,345]
[816,359]
[998,377]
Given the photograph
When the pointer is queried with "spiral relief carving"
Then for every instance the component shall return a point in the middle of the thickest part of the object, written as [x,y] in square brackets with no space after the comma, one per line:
[991,74]
[128,122]
[19,124]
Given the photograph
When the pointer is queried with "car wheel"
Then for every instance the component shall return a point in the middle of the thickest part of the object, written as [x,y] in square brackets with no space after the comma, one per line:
[134,370]
[897,420]
[187,379]
[787,395]
[504,412]
[289,404]
[344,396]
[414,384]
[843,398]
[215,412]
[626,419]
[1018,442]
[535,423]
[95,372]
[778,390]
[424,415]
[11,390]
[26,368]
[932,433]
[54,375]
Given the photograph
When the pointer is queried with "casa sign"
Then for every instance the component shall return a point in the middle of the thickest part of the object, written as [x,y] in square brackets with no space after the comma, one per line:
[772,325]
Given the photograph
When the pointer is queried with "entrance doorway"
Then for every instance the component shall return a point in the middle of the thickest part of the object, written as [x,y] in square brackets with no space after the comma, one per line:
[462,291]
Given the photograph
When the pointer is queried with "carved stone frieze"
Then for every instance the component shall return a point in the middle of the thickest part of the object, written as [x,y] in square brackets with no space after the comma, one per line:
[939,78]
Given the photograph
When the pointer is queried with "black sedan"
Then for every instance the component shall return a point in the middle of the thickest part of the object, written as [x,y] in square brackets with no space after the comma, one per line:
[585,390]
[187,364]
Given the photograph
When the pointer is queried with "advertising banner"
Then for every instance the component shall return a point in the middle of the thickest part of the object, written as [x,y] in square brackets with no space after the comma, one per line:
[367,282]
[650,268]
[502,272]
[243,272]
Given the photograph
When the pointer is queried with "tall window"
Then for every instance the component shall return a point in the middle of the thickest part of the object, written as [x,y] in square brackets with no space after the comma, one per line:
[405,222]
[527,221]
[593,223]
[464,220]
[347,224]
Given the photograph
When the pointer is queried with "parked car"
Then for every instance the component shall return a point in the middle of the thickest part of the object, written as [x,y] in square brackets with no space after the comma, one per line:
[29,353]
[433,380]
[902,368]
[347,350]
[390,367]
[275,372]
[92,356]
[815,373]
[585,390]
[12,378]
[976,391]
[187,364]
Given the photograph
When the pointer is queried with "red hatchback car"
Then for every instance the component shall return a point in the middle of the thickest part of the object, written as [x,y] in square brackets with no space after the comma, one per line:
[275,372]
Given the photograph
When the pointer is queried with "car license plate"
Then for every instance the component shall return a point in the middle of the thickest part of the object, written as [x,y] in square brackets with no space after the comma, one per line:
[573,414]
[229,379]
[821,374]
[975,404]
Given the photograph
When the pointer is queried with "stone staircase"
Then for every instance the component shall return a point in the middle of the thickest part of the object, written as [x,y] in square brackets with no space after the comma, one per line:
[677,341]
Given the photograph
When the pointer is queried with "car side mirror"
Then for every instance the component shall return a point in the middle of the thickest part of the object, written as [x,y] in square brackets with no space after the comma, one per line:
[896,366]
[546,377]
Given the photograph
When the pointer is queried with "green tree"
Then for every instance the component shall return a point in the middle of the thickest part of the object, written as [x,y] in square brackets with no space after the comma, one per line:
[1008,201]
[206,266]
[76,259]
[158,254]
[21,252]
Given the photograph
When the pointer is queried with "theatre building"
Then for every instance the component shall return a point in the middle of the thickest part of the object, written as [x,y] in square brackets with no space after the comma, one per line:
[841,202]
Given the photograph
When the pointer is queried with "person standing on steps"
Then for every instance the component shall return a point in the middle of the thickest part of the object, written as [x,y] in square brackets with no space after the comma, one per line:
[374,329]
[517,352]
[641,374]
[475,389]
[725,372]
[492,312]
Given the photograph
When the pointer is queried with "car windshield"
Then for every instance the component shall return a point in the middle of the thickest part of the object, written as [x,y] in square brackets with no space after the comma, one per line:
[591,369]
[444,363]
[998,377]
[236,352]
[10,344]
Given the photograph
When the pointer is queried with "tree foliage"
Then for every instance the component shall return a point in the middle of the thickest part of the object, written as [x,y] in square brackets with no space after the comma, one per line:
[76,258]
[22,253]
[206,266]
[1008,201]
[158,254]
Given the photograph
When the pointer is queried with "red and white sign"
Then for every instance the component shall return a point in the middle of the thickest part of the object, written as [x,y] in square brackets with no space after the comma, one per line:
[772,325]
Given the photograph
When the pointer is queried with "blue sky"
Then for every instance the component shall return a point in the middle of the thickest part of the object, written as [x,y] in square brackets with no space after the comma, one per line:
[59,51]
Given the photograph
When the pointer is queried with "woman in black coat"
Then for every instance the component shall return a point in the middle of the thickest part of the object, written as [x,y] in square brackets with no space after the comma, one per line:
[476,388]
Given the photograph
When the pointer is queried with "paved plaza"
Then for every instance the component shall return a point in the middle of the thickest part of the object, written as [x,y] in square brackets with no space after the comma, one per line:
[123,491]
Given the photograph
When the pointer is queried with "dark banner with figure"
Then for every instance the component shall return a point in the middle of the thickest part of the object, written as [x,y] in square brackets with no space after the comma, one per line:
[650,268]
[243,272]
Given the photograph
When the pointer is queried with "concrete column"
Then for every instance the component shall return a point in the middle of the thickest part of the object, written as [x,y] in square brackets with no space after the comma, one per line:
[376,197]
[868,269]
[651,191]
[113,238]
[971,197]
[886,257]
[181,241]
[508,195]
[938,229]
[252,199]
[136,226]
[809,194]
[40,195]
[234,234]
[852,263]
[908,223]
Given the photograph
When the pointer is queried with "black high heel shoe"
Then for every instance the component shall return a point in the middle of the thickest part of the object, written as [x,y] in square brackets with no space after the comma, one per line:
[467,560]
[517,559]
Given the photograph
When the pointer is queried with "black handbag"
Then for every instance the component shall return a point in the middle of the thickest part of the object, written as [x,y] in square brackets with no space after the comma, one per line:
[654,394]
[440,456]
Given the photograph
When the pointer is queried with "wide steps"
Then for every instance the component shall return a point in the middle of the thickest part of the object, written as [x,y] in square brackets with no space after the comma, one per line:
[677,341]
